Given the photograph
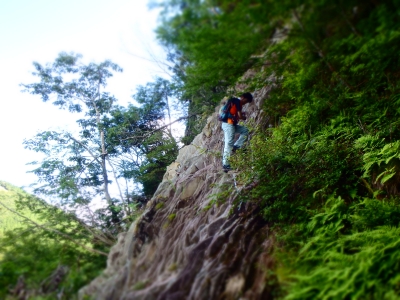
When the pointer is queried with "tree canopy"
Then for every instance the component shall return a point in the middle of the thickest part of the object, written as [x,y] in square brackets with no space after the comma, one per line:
[112,143]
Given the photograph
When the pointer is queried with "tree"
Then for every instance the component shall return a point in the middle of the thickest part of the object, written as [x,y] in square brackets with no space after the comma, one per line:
[76,166]
[129,143]
[145,145]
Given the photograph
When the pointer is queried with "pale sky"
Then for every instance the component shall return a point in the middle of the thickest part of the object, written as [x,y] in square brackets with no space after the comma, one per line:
[37,30]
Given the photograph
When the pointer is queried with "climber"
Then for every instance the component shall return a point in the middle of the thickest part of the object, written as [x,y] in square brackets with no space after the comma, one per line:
[231,127]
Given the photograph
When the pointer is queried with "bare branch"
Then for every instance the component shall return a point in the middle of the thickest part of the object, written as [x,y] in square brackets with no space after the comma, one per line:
[86,148]
[116,180]
[160,128]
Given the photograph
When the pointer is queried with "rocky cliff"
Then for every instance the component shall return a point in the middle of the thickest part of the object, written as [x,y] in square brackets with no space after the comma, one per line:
[186,246]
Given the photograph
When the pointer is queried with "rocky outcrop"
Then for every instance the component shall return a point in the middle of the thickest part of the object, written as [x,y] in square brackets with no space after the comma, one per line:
[187,246]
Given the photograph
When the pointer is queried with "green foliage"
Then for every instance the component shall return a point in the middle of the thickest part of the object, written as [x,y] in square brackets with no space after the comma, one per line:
[329,109]
[138,132]
[339,261]
[160,205]
[326,175]
[44,239]
[139,285]
[300,169]
[158,158]
[8,197]
[381,159]
[171,217]
[75,167]
[173,267]
[128,144]
[372,213]
[210,46]
[224,193]
[35,258]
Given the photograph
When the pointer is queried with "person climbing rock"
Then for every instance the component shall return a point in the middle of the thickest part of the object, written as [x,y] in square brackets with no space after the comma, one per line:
[231,127]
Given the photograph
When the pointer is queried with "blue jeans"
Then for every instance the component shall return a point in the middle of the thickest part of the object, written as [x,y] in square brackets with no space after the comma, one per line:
[229,137]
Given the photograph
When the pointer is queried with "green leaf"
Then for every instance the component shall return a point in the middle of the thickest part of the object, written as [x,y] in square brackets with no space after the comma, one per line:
[387,177]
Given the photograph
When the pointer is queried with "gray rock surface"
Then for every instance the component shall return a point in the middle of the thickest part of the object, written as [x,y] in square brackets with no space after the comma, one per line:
[183,246]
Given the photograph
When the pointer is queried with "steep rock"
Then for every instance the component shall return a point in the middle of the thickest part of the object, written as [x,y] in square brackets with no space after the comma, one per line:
[186,247]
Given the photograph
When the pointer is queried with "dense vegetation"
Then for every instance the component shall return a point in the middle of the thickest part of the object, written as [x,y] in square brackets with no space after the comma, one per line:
[46,250]
[327,172]
[210,44]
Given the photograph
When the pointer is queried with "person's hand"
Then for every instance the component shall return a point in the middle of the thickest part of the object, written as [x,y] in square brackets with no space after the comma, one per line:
[244,117]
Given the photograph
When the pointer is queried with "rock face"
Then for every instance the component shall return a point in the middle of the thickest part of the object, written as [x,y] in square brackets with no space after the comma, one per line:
[185,246]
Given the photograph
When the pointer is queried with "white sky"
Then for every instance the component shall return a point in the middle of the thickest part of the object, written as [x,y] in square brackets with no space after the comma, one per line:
[37,30]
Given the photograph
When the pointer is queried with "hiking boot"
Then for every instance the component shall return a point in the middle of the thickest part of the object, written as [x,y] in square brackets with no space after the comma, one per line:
[235,148]
[226,168]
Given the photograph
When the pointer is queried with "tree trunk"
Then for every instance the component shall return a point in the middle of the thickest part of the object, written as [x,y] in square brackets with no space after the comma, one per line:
[103,149]
[103,165]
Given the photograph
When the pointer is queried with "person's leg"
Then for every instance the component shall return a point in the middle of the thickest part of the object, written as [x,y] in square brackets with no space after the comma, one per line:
[244,132]
[229,136]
